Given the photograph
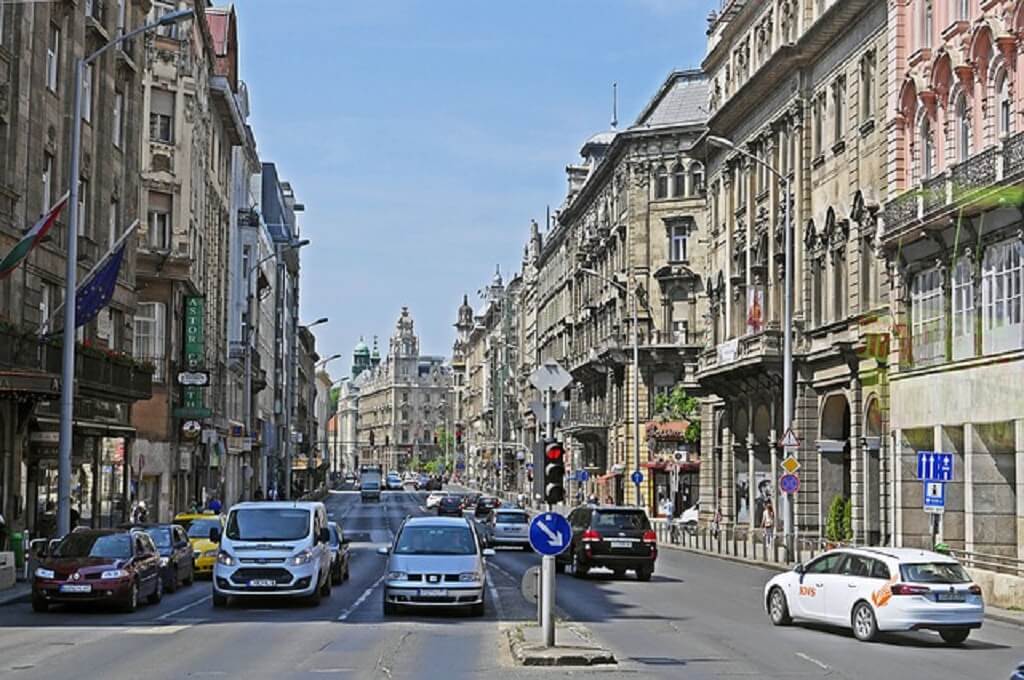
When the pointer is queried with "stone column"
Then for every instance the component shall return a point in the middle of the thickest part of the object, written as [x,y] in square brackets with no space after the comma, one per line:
[897,486]
[1019,460]
[751,482]
[728,478]
[969,486]
[859,467]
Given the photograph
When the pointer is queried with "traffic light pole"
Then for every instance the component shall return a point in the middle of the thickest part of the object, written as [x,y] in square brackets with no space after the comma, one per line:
[547,562]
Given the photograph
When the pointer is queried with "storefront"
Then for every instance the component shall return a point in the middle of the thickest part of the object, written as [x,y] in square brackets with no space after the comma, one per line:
[674,467]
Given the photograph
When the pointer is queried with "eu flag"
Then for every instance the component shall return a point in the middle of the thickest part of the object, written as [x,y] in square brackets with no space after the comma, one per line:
[96,293]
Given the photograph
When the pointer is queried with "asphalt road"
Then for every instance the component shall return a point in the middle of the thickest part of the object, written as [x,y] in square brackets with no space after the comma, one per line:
[698,618]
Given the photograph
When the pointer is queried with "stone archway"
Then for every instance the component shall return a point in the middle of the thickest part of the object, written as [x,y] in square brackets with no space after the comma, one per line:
[835,464]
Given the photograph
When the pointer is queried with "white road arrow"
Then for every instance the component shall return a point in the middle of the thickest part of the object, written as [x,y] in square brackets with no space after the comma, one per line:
[555,538]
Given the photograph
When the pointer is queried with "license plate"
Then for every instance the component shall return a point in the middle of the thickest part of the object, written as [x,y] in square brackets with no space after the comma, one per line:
[433,592]
[949,597]
[76,588]
[262,583]
[621,544]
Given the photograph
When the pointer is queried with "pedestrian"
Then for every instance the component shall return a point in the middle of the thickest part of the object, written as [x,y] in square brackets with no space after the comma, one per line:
[716,523]
[768,523]
[259,493]
[214,505]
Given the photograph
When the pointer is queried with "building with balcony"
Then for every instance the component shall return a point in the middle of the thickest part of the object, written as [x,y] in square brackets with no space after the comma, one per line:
[952,237]
[801,88]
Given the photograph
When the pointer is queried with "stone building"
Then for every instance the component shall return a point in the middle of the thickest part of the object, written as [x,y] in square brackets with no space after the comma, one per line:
[39,43]
[404,403]
[801,87]
[952,239]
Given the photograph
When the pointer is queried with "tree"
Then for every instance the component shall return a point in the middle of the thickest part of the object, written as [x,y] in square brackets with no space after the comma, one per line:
[445,440]
[678,405]
[839,521]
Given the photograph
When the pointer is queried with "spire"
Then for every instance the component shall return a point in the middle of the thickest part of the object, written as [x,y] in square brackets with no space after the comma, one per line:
[615,105]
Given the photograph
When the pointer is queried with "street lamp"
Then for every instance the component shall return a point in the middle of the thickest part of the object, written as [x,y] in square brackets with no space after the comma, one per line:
[293,395]
[67,374]
[251,323]
[787,315]
[636,368]
[324,362]
[321,320]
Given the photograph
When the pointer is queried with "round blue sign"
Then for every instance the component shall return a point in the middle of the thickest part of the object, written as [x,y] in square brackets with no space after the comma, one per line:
[583,475]
[550,533]
[637,477]
[789,483]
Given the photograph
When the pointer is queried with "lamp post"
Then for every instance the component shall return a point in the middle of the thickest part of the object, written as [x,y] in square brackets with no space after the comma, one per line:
[292,392]
[67,374]
[636,367]
[787,316]
[251,323]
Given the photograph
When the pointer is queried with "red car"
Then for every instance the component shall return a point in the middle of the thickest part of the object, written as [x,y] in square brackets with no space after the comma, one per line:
[99,565]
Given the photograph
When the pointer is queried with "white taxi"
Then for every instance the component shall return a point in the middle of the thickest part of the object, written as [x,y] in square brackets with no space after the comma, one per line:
[879,589]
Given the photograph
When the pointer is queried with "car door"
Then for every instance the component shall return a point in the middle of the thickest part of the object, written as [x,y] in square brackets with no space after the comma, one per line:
[182,552]
[814,585]
[147,564]
[853,583]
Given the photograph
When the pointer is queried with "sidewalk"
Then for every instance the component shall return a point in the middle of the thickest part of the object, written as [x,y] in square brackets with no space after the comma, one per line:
[21,592]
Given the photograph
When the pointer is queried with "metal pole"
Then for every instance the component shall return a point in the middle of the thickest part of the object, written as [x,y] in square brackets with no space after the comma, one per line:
[67,372]
[636,390]
[247,400]
[547,578]
[787,360]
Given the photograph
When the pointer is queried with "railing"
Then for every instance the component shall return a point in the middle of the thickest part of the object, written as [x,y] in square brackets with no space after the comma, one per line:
[1001,564]
[737,541]
[586,418]
[767,343]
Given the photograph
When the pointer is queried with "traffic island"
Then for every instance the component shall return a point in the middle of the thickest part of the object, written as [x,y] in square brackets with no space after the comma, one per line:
[573,647]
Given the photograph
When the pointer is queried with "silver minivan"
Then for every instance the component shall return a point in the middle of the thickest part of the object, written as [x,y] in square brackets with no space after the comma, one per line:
[273,549]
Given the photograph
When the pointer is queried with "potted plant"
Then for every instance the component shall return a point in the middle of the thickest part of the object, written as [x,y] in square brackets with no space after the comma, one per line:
[838,522]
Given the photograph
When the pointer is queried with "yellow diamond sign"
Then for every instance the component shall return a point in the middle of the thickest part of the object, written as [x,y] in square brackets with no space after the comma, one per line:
[790,465]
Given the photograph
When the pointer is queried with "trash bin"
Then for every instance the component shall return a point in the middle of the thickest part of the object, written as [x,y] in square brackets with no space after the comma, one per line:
[18,546]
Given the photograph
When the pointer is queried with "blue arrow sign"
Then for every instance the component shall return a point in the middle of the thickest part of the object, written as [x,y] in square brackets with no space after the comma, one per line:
[934,466]
[550,533]
[582,475]
[637,477]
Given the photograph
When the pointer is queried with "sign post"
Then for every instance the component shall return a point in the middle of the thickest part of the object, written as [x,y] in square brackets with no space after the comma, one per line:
[934,469]
[790,443]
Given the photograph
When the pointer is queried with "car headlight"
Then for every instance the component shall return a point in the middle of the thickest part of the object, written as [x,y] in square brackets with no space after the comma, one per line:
[211,553]
[225,558]
[301,558]
[471,576]
[114,573]
[44,573]
[164,561]
[398,576]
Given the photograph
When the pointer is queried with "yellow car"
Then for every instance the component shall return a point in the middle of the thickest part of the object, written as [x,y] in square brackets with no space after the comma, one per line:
[204,551]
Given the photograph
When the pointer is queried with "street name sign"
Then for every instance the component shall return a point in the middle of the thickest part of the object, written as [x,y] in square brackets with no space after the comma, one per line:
[935,497]
[550,533]
[934,466]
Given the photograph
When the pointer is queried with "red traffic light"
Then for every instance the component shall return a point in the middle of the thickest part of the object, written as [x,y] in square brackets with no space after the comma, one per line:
[554,452]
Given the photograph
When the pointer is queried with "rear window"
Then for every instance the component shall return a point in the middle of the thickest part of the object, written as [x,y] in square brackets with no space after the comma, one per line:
[510,518]
[370,486]
[625,520]
[934,572]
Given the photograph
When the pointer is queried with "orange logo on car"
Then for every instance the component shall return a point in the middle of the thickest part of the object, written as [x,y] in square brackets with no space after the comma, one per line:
[809,591]
[882,596]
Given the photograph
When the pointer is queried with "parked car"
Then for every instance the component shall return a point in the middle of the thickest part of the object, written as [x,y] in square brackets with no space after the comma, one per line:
[273,548]
[393,482]
[879,589]
[509,526]
[433,499]
[436,562]
[176,557]
[197,526]
[614,537]
[450,506]
[469,501]
[118,566]
[484,506]
[433,484]
[339,553]
[369,490]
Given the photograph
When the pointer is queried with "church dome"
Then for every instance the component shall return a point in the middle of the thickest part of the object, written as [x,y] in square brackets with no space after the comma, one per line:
[361,349]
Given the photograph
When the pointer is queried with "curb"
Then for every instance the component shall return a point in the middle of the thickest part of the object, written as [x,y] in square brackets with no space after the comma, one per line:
[533,655]
[1004,618]
[15,598]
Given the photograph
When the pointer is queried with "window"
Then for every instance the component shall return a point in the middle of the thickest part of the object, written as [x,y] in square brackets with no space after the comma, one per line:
[677,243]
[963,128]
[963,9]
[1001,283]
[678,180]
[47,182]
[161,116]
[927,152]
[661,182]
[927,319]
[818,124]
[150,321]
[87,93]
[53,58]
[117,133]
[741,186]
[868,275]
[49,299]
[818,266]
[122,7]
[829,564]
[838,102]
[839,283]
[159,220]
[867,87]
[1005,104]
[696,179]
[83,207]
[113,228]
[160,8]
[927,23]
[963,309]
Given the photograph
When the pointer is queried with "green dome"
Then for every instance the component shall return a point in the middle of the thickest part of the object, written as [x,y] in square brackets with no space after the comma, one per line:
[361,349]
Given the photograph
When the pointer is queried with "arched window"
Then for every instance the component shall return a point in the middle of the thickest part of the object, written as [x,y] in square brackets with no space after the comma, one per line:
[678,180]
[661,182]
[696,179]
[963,9]
[927,23]
[927,150]
[963,128]
[1004,104]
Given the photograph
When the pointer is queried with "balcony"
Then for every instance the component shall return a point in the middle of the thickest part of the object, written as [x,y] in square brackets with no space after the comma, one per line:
[585,420]
[741,365]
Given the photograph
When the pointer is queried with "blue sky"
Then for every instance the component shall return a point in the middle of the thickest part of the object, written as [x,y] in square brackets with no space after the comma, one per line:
[424,135]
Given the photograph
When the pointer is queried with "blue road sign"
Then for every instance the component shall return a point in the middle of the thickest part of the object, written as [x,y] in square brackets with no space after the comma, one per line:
[637,477]
[789,483]
[550,533]
[934,466]
[582,475]
[934,496]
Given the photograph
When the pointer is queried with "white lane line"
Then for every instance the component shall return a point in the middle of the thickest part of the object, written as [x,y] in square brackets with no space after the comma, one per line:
[360,600]
[164,617]
[493,589]
[813,660]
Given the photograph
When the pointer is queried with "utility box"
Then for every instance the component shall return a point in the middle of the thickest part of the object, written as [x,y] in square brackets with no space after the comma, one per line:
[8,573]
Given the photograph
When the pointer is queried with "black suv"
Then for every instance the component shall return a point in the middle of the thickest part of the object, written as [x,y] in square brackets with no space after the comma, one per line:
[450,506]
[485,505]
[618,538]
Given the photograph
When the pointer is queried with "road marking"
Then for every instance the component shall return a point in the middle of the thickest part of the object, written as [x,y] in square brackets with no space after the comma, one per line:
[813,660]
[493,590]
[360,600]
[164,617]
[155,630]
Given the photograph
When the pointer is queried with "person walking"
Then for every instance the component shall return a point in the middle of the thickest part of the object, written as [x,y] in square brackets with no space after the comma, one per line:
[768,523]
[716,523]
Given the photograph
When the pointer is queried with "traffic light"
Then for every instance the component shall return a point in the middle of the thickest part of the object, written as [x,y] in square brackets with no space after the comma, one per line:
[554,472]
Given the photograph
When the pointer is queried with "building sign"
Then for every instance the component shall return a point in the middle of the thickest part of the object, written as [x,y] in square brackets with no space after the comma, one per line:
[195,356]
[727,351]
[755,309]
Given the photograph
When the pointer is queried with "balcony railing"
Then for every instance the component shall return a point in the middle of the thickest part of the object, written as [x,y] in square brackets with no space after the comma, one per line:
[766,344]
[586,418]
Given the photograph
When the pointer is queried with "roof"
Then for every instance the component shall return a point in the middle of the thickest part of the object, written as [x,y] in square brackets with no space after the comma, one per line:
[303,505]
[681,99]
[905,554]
[437,521]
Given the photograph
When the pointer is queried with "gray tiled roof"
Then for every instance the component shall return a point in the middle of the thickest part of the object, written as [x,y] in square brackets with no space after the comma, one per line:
[682,99]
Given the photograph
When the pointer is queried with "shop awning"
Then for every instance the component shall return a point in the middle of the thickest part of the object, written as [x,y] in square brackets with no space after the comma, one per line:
[686,466]
[98,427]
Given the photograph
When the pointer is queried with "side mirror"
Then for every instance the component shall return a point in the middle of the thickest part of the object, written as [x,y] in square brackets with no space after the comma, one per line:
[798,568]
[215,535]
[488,552]
[324,536]
[383,550]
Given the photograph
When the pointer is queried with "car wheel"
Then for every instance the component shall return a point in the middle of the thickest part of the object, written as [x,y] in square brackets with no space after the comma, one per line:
[220,600]
[619,573]
[313,599]
[477,609]
[865,626]
[190,579]
[778,608]
[390,608]
[954,636]
[132,602]
[344,576]
[40,605]
[172,583]
[325,589]
[335,575]
[158,591]
[579,569]
[644,573]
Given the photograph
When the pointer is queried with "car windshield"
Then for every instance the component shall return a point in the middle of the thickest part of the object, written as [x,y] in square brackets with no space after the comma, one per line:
[510,518]
[621,519]
[934,572]
[200,528]
[161,536]
[268,524]
[435,540]
[115,546]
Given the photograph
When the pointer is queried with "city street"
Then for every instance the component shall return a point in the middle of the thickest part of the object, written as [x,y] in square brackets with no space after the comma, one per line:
[698,618]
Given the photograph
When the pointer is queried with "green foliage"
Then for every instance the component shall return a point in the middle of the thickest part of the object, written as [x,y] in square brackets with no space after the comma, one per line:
[445,440]
[678,405]
[434,467]
[839,521]
[334,393]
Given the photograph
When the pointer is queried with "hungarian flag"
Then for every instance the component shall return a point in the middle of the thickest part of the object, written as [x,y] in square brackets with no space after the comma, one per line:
[31,239]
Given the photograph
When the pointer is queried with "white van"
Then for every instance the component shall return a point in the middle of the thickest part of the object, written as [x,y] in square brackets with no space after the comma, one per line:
[273,549]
